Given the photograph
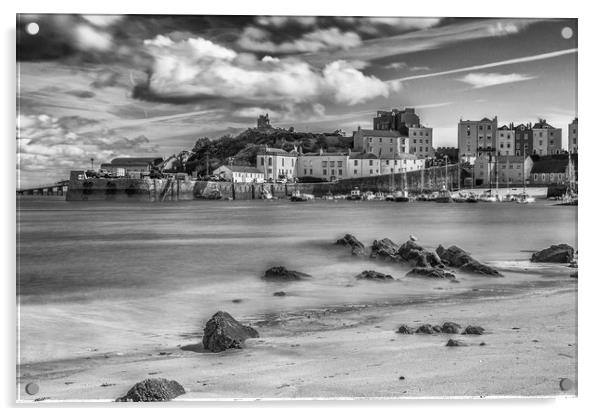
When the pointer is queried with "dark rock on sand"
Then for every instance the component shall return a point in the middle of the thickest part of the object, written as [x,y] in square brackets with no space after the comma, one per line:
[404,329]
[425,329]
[357,247]
[473,330]
[417,256]
[222,331]
[455,343]
[574,275]
[450,328]
[282,274]
[281,293]
[431,272]
[454,256]
[561,253]
[437,329]
[153,390]
[372,275]
[385,249]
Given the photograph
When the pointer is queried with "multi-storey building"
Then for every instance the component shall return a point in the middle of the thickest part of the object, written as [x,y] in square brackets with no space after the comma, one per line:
[547,140]
[329,166]
[505,140]
[363,164]
[277,163]
[476,137]
[523,139]
[504,170]
[383,143]
[573,132]
[554,169]
[421,141]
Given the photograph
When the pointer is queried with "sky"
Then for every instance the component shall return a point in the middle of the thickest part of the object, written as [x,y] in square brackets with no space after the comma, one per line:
[105,86]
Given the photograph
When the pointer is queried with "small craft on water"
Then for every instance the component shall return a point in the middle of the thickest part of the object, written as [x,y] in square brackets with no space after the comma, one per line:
[368,196]
[355,195]
[489,196]
[401,196]
[524,198]
[443,196]
[297,196]
[379,196]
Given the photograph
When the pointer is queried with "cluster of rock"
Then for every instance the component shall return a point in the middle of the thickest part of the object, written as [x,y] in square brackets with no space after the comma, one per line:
[153,390]
[561,253]
[446,328]
[454,256]
[282,274]
[372,275]
[222,332]
[425,263]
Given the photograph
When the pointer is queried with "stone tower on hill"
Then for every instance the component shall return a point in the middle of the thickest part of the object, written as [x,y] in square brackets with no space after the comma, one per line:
[263,122]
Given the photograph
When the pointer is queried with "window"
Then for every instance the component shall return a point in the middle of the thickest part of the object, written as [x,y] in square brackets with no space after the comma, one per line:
[488,127]
[324,172]
[282,162]
[395,162]
[387,162]
[480,127]
[371,161]
[421,133]
[541,142]
[390,149]
[305,171]
[501,145]
[414,133]
[332,163]
[468,133]
[414,141]
[340,172]
[324,164]
[340,163]
[355,163]
[370,140]
[262,161]
[311,171]
[270,162]
[332,171]
[355,171]
[371,172]
[380,140]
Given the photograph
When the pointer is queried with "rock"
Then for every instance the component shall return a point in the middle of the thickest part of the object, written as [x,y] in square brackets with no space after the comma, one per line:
[473,330]
[222,331]
[561,253]
[372,275]
[454,256]
[450,328]
[574,275]
[357,247]
[281,293]
[425,329]
[404,329]
[455,343]
[482,344]
[153,390]
[282,274]
[385,249]
[417,256]
[437,328]
[432,272]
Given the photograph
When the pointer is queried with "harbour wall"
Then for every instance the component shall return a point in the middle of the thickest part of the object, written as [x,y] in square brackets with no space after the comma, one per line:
[159,190]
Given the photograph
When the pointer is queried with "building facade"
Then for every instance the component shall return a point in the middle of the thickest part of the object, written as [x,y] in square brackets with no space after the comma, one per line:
[383,143]
[363,164]
[547,140]
[240,174]
[475,137]
[505,170]
[132,164]
[421,141]
[277,164]
[328,166]
[573,133]
[523,140]
[505,140]
[554,170]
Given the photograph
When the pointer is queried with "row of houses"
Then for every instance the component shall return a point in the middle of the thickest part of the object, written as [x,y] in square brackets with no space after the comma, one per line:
[484,136]
[518,170]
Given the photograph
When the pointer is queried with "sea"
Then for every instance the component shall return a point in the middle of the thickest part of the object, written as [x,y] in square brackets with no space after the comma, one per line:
[116,277]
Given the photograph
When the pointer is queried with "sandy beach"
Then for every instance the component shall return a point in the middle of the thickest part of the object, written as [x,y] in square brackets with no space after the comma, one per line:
[530,344]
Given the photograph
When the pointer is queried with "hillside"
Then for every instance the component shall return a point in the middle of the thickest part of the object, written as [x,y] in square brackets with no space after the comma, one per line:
[242,149]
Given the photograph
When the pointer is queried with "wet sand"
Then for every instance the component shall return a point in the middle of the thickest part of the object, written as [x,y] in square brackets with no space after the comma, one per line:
[530,344]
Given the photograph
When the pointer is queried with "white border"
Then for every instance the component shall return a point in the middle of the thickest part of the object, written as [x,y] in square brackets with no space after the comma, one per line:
[589,285]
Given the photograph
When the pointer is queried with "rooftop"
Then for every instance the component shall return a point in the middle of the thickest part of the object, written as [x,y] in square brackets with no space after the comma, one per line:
[552,164]
[241,169]
[378,133]
[136,160]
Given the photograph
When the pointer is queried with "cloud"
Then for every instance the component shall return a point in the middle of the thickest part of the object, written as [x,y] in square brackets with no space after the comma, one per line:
[504,29]
[396,65]
[105,78]
[197,69]
[520,60]
[48,144]
[103,20]
[256,39]
[87,37]
[280,21]
[482,80]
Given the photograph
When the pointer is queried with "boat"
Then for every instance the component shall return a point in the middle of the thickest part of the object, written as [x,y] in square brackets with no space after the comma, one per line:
[389,197]
[524,198]
[488,196]
[266,194]
[460,197]
[368,196]
[355,195]
[569,198]
[328,197]
[472,198]
[379,196]
[443,196]
[401,196]
[297,196]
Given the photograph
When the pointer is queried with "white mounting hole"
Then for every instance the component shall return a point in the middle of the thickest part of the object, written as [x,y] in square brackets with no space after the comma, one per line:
[32,28]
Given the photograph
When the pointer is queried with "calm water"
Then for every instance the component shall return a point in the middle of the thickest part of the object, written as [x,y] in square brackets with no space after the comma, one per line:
[96,278]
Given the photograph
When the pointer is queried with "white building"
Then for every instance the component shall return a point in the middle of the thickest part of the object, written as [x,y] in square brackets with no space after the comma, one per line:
[383,143]
[277,163]
[244,174]
[505,141]
[329,166]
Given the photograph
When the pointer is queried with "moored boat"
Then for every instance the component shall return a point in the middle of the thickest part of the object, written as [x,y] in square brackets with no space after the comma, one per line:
[355,194]
[299,197]
[524,198]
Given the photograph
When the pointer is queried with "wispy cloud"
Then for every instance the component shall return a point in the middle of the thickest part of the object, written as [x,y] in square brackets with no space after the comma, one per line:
[482,80]
[531,58]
